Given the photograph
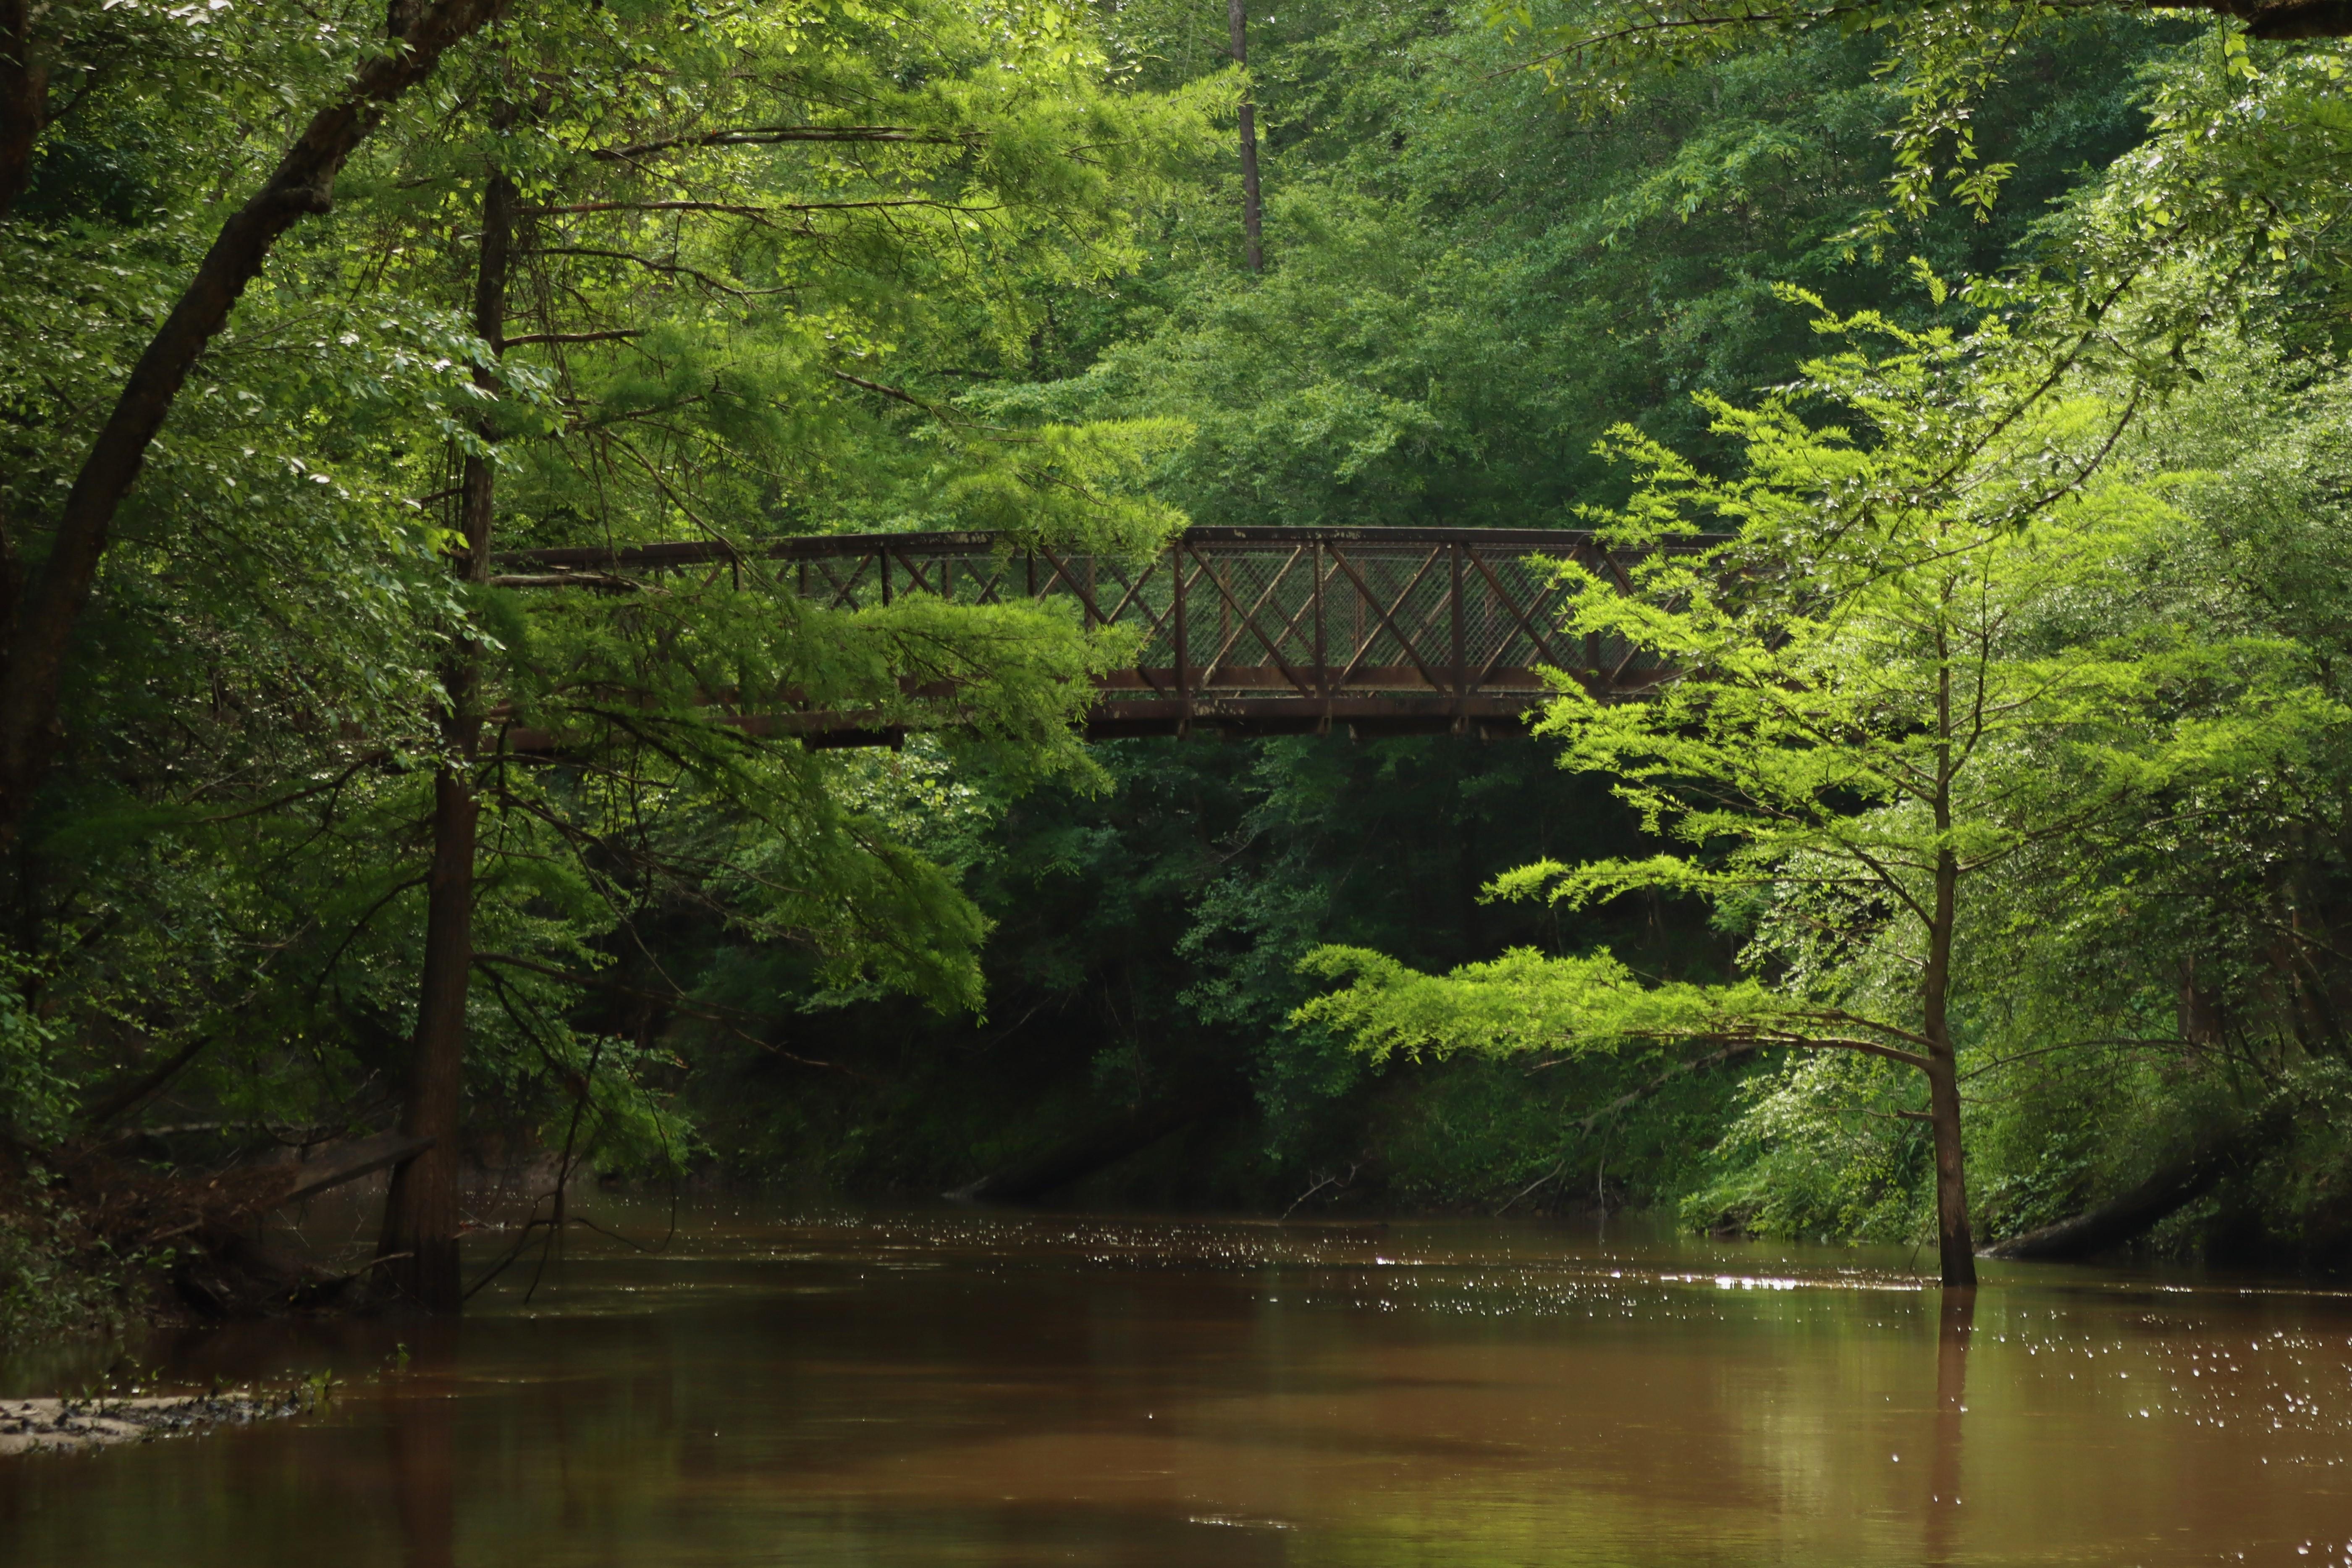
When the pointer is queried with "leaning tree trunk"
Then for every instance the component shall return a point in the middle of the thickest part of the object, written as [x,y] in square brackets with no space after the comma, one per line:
[2173,1187]
[419,1243]
[1098,1148]
[40,626]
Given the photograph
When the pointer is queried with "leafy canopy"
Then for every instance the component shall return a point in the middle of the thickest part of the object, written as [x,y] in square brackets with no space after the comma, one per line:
[1897,664]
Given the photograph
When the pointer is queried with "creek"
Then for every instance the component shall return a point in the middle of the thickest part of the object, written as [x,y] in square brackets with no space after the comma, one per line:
[876,1387]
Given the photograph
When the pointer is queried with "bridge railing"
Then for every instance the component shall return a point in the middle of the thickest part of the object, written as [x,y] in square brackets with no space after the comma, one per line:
[1262,630]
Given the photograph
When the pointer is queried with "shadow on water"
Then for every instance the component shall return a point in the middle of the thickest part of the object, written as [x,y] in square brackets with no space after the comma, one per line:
[420,1437]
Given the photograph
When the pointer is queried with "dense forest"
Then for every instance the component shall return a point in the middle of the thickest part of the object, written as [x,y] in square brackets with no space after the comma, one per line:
[1961,383]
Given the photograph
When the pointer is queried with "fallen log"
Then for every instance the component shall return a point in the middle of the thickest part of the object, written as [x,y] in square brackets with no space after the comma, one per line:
[138,1210]
[2177,1184]
[220,1263]
[361,1157]
[142,1086]
[236,1272]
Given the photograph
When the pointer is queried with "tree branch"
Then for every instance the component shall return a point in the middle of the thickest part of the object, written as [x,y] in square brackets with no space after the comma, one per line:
[302,185]
[772,135]
[529,339]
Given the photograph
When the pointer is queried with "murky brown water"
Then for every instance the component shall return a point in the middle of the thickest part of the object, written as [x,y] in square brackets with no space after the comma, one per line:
[977,1390]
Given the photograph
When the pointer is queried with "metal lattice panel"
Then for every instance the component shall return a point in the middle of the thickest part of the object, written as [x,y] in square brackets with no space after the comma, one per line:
[1271,630]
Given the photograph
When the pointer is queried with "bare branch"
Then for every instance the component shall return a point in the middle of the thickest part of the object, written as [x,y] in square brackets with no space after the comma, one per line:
[529,339]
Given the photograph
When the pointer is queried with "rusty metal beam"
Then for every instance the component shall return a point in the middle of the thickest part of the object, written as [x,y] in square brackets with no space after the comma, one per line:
[1296,621]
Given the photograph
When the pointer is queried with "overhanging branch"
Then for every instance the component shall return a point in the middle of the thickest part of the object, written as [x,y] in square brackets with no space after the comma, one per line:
[774,135]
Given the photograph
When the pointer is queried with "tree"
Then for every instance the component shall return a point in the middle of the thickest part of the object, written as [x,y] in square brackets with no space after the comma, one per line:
[1237,20]
[751,256]
[1475,288]
[39,620]
[420,1210]
[1944,58]
[710,276]
[1892,675]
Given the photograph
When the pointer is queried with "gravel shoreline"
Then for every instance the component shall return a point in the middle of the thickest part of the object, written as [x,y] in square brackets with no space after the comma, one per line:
[82,1425]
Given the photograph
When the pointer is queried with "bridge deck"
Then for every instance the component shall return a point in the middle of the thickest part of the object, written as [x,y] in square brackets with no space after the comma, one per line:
[1243,630]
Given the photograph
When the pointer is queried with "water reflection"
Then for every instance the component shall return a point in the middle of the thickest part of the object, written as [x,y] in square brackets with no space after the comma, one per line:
[984,1389]
[1955,1319]
[420,1436]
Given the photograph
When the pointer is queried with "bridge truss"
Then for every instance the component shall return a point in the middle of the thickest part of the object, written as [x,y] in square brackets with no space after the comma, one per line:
[1257,631]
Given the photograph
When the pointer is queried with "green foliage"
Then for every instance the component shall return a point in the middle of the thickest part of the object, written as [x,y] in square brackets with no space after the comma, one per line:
[1812,1154]
[757,254]
[1893,668]
[1941,59]
[57,1279]
[37,1096]
[883,265]
[1466,291]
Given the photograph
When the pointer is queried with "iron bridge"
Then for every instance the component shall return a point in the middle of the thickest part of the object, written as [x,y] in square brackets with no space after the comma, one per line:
[1250,631]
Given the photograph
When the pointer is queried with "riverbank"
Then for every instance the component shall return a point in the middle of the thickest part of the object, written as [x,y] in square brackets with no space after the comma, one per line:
[80,1425]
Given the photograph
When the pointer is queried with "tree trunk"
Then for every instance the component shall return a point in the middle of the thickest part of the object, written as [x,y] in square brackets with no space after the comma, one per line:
[420,1217]
[419,1242]
[1237,23]
[24,100]
[1956,1246]
[32,666]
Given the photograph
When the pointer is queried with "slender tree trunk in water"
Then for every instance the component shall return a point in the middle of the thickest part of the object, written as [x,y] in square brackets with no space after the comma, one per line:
[1237,22]
[1955,1242]
[420,1216]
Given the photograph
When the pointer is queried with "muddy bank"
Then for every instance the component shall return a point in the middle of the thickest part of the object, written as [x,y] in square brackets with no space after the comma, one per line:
[73,1426]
